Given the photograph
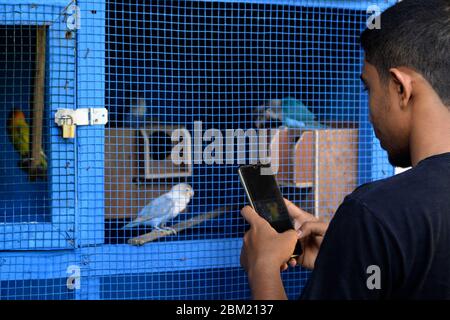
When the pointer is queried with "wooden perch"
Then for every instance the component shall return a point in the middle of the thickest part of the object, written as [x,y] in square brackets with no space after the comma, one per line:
[156,234]
[38,97]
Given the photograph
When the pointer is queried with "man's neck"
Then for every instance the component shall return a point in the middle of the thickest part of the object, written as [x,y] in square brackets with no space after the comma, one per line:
[430,133]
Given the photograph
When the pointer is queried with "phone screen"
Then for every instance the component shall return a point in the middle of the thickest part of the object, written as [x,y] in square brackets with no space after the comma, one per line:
[265,197]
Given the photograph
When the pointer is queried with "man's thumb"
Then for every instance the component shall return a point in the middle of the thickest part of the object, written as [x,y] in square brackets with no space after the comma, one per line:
[315,228]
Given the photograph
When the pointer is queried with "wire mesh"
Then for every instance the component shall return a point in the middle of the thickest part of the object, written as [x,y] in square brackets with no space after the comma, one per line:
[37,176]
[207,73]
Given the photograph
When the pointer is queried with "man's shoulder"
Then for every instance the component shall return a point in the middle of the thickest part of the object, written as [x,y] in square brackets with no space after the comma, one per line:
[416,190]
[365,193]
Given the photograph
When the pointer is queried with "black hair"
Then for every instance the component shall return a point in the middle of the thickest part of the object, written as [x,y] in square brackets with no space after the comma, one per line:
[413,34]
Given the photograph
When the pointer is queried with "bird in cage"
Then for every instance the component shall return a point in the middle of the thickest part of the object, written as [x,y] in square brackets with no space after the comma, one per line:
[288,112]
[136,115]
[164,208]
[19,133]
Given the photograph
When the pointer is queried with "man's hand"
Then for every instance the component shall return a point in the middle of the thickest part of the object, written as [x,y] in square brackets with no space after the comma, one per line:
[263,244]
[264,253]
[310,232]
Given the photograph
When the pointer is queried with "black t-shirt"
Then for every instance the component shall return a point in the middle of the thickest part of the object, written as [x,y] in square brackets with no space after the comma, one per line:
[395,230]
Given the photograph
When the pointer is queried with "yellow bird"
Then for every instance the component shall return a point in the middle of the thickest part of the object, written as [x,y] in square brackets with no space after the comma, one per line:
[19,133]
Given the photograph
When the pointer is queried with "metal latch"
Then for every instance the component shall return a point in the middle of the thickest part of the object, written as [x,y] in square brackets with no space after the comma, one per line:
[68,119]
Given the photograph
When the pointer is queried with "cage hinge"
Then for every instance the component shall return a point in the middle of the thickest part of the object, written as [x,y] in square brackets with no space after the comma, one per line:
[68,119]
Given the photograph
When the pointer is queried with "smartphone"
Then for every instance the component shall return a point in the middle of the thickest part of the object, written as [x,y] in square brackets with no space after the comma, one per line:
[265,198]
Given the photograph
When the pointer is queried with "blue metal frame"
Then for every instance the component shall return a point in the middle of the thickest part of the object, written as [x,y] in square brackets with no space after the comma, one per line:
[90,94]
[174,256]
[38,3]
[59,233]
[338,4]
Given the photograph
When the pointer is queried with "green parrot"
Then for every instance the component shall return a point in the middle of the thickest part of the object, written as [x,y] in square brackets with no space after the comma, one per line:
[19,133]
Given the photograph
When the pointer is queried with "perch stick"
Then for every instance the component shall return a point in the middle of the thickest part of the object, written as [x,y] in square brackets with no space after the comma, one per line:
[156,234]
[39,91]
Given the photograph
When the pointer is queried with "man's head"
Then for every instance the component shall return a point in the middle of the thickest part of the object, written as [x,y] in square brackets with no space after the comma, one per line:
[406,60]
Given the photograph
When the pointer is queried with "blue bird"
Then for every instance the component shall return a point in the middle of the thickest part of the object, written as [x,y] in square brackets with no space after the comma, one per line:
[288,112]
[136,117]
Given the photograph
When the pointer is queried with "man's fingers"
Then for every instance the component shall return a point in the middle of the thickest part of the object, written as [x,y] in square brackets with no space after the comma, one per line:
[297,213]
[292,262]
[250,215]
[300,261]
[242,257]
[315,228]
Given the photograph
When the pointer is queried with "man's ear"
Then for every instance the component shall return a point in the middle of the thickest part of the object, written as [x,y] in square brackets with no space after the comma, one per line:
[403,86]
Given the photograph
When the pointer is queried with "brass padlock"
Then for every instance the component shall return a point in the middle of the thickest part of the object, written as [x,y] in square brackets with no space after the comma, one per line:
[68,131]
[68,128]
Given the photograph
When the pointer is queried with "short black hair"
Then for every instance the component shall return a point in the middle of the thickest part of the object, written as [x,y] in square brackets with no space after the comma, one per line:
[413,34]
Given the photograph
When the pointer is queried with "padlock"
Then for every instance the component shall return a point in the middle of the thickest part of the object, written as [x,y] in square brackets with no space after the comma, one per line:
[68,131]
[68,127]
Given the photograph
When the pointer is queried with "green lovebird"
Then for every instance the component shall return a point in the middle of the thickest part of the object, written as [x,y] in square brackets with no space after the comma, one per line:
[19,133]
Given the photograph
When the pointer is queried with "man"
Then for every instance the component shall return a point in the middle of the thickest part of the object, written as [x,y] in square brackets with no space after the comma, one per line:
[396,229]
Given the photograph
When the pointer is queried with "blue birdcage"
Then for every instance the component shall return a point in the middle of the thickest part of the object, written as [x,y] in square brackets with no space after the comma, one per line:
[103,88]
